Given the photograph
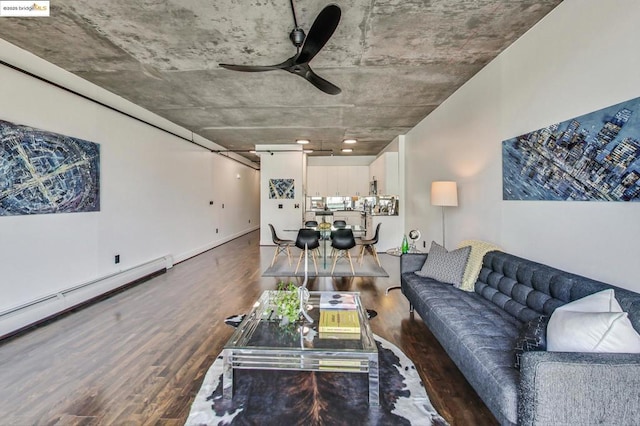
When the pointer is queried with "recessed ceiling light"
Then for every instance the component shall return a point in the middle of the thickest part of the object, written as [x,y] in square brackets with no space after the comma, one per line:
[302,141]
[347,150]
[349,141]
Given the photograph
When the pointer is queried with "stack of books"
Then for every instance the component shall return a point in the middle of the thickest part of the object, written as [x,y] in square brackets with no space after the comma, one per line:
[338,316]
[332,300]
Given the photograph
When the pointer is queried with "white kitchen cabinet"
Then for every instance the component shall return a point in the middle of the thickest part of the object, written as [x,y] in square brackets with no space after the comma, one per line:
[337,181]
[384,169]
[358,181]
[316,181]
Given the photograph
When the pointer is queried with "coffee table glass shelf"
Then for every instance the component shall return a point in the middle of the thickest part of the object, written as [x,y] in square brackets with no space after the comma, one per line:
[261,342]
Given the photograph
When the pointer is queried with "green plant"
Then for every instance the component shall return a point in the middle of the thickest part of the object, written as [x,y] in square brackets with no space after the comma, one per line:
[287,302]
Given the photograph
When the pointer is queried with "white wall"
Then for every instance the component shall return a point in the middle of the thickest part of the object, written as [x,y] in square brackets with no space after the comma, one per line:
[580,58]
[281,165]
[155,191]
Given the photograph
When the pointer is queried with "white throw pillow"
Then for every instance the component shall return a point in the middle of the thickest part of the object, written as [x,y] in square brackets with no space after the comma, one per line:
[602,301]
[570,331]
[595,323]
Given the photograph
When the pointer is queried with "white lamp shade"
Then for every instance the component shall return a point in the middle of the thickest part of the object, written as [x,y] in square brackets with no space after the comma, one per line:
[444,193]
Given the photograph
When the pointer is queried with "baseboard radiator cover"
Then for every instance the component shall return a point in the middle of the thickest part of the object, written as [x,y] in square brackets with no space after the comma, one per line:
[30,313]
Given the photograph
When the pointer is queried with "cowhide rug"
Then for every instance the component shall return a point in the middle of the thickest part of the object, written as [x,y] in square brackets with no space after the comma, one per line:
[283,398]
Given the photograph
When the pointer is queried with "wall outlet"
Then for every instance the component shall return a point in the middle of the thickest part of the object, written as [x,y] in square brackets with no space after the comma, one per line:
[116,259]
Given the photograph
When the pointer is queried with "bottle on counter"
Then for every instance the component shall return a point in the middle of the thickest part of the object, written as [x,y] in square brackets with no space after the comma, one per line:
[405,245]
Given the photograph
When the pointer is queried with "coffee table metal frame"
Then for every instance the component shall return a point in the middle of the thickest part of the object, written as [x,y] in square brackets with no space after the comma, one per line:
[246,350]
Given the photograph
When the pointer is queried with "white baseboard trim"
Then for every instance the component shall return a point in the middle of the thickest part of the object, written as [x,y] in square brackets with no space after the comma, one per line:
[19,317]
[191,253]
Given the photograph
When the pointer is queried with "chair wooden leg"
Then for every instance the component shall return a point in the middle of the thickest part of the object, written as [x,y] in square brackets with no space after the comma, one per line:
[335,260]
[361,257]
[299,260]
[350,262]
[273,261]
[375,255]
[315,264]
[288,255]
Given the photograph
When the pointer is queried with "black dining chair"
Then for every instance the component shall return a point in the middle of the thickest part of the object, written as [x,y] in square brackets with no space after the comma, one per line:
[311,224]
[311,239]
[369,244]
[282,246]
[339,223]
[342,241]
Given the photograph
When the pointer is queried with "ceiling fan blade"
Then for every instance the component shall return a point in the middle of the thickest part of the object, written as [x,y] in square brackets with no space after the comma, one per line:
[321,31]
[321,83]
[257,68]
[250,68]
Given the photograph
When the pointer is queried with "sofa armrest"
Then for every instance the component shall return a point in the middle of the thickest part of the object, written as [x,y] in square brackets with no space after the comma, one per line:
[562,388]
[411,262]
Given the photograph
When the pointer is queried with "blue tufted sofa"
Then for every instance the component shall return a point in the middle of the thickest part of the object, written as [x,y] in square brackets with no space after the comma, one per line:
[479,329]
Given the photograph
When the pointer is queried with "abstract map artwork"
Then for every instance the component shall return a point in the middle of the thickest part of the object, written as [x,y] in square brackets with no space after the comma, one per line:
[43,172]
[281,188]
[594,157]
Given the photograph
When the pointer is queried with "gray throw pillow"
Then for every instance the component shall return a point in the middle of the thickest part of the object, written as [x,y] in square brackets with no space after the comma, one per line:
[445,266]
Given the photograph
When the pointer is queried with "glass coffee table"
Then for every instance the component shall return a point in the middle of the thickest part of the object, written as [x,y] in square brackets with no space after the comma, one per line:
[261,342]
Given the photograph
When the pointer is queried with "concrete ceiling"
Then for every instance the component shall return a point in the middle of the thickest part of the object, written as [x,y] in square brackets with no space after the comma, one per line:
[395,61]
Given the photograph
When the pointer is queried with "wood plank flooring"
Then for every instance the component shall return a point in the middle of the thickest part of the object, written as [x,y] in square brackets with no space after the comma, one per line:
[140,356]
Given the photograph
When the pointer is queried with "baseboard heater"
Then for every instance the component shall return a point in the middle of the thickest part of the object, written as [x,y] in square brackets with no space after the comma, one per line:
[19,318]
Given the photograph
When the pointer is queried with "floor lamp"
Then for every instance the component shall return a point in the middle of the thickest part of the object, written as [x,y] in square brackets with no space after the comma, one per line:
[444,194]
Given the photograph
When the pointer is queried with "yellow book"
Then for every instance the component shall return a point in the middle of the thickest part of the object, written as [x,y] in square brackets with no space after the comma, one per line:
[341,336]
[340,364]
[339,321]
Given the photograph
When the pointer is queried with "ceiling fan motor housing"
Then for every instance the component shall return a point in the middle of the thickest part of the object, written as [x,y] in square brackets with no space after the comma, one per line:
[297,36]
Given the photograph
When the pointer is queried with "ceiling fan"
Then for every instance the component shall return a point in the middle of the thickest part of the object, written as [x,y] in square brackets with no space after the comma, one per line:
[320,32]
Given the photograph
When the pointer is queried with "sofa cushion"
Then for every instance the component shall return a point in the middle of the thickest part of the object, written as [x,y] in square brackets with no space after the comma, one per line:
[478,336]
[523,288]
[445,266]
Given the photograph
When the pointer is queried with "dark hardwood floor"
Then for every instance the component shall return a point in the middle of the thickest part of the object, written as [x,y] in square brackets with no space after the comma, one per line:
[140,356]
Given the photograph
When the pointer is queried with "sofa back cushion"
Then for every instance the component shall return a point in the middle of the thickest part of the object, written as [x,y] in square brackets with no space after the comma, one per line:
[527,289]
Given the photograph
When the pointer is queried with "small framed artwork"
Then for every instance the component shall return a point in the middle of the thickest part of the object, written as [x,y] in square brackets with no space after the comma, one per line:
[282,189]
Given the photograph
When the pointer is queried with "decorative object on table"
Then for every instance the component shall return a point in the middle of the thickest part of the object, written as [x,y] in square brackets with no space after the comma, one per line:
[405,244]
[414,235]
[303,292]
[593,157]
[287,301]
[274,397]
[45,172]
[444,194]
[282,189]
[335,300]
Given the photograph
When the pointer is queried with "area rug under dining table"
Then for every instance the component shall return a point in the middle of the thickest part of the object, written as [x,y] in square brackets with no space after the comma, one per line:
[369,268]
[268,397]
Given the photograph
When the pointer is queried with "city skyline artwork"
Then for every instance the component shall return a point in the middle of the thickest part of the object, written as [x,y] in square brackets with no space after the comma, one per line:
[44,172]
[593,157]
